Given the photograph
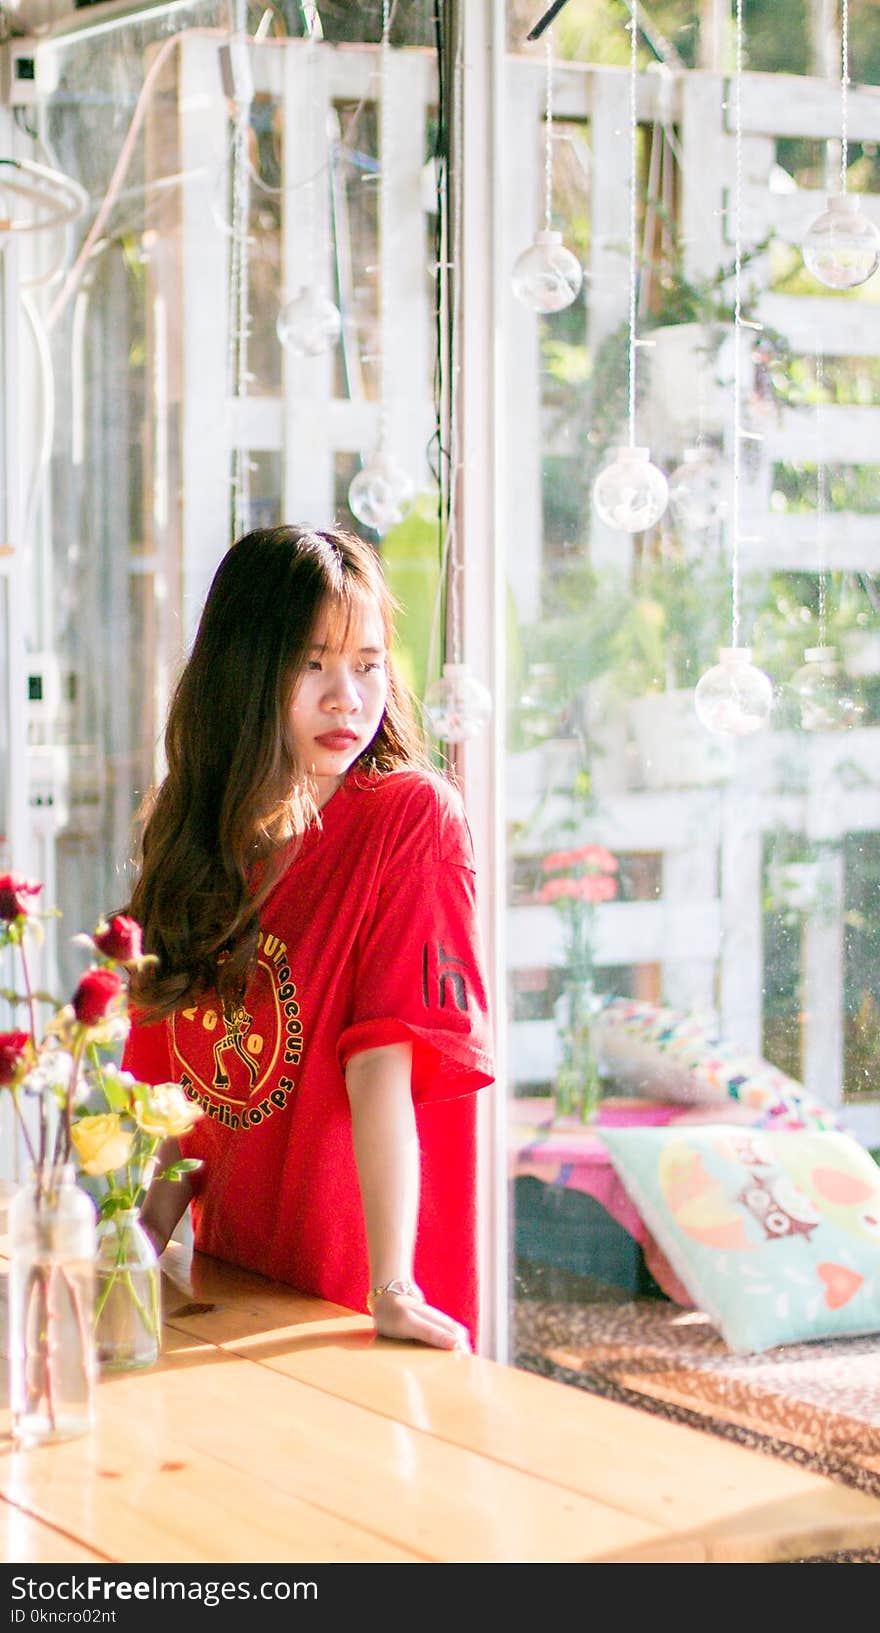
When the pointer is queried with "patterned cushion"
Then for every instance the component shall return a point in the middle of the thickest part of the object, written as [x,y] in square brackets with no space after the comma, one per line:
[679,1055]
[776,1236]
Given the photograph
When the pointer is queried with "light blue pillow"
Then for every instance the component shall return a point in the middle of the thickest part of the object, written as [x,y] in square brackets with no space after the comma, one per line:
[776,1236]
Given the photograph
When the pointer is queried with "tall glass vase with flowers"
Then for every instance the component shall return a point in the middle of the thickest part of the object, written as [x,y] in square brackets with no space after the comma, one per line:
[117,1140]
[54,1081]
[51,1221]
[576,882]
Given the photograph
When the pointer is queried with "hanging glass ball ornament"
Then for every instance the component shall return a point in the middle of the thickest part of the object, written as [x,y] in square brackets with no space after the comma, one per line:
[309,324]
[630,493]
[828,699]
[842,247]
[546,276]
[381,493]
[458,705]
[734,698]
[698,489]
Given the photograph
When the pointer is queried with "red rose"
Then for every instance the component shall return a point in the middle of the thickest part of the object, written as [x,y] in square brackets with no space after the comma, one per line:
[16,1050]
[95,995]
[120,939]
[15,892]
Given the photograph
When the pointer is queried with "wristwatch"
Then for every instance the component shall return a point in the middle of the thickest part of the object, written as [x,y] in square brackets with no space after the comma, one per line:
[398,1287]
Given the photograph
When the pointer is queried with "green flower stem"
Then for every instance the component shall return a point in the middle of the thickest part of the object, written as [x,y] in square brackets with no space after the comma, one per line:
[25,1132]
[29,991]
[149,1317]
[39,1382]
[19,1113]
[79,1313]
[63,1141]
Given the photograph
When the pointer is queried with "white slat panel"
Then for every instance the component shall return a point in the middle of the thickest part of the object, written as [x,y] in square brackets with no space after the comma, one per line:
[258,421]
[795,105]
[843,327]
[521,216]
[789,215]
[741,927]
[658,96]
[206,443]
[704,148]
[690,874]
[849,542]
[307,381]
[844,778]
[626,933]
[609,300]
[406,337]
[850,435]
[633,822]
[534,1051]
[822,994]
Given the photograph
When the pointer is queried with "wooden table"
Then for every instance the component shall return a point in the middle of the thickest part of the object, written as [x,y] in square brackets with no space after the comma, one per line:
[277,1428]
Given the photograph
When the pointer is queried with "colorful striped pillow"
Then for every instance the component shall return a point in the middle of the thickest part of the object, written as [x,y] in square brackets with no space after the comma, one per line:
[680,1055]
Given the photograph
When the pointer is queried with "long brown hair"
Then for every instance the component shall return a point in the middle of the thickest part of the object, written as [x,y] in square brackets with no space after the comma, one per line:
[234,794]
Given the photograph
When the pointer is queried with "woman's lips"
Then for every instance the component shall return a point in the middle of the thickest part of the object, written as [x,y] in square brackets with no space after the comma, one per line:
[337,739]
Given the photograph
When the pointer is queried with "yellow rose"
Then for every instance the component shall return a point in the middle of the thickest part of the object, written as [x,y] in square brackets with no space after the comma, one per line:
[166,1112]
[102,1144]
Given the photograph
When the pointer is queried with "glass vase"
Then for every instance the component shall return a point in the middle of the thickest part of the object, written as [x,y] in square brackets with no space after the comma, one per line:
[127,1294]
[51,1292]
[578,1085]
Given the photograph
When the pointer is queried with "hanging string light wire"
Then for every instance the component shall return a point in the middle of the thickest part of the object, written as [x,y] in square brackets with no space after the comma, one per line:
[457,706]
[630,493]
[310,323]
[633,26]
[734,698]
[737,331]
[821,496]
[547,277]
[451,567]
[447,401]
[844,93]
[842,247]
[385,218]
[548,131]
[381,493]
[311,200]
[450,563]
[437,451]
[828,698]
[239,271]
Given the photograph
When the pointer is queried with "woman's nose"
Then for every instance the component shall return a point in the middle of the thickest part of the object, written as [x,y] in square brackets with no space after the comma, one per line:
[342,693]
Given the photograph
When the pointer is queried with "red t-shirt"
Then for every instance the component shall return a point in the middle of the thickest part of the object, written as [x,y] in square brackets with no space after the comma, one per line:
[370,937]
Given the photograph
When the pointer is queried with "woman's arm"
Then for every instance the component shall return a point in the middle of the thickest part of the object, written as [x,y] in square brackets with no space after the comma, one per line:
[167,1200]
[386,1149]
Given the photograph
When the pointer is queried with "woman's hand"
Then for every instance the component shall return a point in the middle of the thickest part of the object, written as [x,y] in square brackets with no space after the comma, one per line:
[397,1315]
[167,1200]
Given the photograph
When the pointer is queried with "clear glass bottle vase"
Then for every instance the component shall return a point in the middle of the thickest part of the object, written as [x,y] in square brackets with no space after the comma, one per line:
[51,1292]
[127,1294]
[577,1088]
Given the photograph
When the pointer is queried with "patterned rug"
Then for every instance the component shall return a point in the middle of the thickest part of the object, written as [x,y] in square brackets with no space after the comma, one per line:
[815,1404]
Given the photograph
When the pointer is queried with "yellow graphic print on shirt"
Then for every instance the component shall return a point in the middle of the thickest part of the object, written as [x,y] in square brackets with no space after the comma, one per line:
[234,1059]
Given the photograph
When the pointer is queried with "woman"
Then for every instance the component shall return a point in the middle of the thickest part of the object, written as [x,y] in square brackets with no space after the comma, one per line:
[307,886]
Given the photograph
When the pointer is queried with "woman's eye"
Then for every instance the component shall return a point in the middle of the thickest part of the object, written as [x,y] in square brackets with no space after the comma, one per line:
[314,663]
[366,666]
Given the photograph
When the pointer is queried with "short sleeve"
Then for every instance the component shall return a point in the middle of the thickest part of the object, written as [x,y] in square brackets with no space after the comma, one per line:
[420,974]
[147,1052]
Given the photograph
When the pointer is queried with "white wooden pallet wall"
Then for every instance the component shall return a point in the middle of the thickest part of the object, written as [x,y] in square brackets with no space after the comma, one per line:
[705,930]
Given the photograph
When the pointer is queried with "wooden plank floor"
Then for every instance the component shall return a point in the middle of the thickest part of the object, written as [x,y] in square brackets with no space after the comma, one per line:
[277,1428]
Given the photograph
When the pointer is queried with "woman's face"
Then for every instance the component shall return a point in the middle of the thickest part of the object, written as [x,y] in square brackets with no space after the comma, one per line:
[339,699]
